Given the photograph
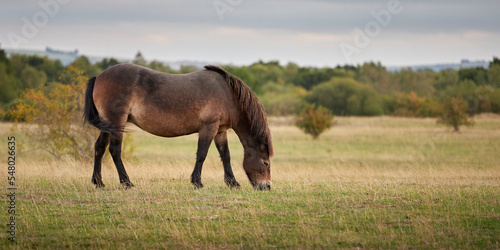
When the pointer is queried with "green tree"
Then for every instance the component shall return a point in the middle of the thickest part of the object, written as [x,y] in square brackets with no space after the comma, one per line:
[52,69]
[289,72]
[32,78]
[9,86]
[3,56]
[262,73]
[477,97]
[353,105]
[494,75]
[159,66]
[462,89]
[187,69]
[446,78]
[314,120]
[281,99]
[477,75]
[389,104]
[83,63]
[420,82]
[346,96]
[495,101]
[310,77]
[378,77]
[265,72]
[244,74]
[495,60]
[455,114]
[106,63]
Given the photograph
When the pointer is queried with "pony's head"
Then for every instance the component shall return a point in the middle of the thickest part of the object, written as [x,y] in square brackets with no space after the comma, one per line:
[257,165]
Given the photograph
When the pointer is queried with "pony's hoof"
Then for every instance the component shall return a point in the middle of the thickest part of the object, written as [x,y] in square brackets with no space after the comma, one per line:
[197,185]
[98,184]
[127,184]
[233,184]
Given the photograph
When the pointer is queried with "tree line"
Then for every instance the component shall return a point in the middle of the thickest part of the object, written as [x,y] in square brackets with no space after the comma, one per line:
[285,89]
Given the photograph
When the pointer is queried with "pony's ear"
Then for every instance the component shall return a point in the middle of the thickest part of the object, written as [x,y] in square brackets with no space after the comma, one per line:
[266,145]
[263,140]
[269,144]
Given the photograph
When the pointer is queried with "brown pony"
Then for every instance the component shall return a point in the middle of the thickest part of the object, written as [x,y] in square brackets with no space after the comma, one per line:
[208,102]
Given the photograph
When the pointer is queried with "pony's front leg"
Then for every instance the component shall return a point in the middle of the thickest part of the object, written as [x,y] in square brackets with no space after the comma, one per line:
[206,135]
[221,144]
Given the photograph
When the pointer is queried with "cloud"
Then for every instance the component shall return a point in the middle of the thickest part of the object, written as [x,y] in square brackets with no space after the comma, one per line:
[304,16]
[303,31]
[322,37]
[315,16]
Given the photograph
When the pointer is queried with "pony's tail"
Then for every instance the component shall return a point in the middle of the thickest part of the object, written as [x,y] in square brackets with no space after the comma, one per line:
[90,113]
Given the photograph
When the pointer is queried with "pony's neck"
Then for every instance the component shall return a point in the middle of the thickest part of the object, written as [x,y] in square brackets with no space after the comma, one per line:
[242,129]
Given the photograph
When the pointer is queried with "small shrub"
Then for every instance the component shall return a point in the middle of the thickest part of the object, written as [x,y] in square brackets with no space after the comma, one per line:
[315,120]
[56,111]
[455,114]
[412,105]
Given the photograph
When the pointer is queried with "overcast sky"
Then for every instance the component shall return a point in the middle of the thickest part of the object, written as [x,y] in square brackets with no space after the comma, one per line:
[313,32]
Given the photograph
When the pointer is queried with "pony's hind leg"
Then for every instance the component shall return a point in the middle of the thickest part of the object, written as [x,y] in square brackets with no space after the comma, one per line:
[221,144]
[100,148]
[115,148]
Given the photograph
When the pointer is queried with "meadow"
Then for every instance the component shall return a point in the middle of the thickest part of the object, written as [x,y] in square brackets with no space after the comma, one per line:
[377,182]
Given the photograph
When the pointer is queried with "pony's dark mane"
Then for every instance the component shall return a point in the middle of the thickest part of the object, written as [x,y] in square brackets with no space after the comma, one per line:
[249,103]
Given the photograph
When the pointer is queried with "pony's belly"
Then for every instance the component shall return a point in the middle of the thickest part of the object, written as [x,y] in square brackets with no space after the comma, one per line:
[166,126]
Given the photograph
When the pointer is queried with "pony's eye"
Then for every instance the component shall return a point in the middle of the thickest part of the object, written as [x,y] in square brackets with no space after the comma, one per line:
[266,163]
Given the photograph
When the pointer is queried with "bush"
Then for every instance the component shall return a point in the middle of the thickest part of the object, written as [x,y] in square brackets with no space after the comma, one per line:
[455,114]
[412,105]
[315,120]
[56,109]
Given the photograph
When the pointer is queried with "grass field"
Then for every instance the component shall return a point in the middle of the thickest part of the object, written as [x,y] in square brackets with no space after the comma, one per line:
[379,182]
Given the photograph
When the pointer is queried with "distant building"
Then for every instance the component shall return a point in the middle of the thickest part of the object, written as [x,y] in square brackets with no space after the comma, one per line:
[65,57]
[465,64]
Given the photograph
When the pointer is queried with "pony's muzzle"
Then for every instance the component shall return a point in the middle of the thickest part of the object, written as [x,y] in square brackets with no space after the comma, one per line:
[263,185]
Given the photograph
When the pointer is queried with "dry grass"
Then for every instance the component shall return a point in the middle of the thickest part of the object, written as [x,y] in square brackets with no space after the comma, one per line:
[377,182]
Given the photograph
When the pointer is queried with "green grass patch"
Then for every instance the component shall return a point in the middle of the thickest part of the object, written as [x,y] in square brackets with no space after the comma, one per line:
[367,182]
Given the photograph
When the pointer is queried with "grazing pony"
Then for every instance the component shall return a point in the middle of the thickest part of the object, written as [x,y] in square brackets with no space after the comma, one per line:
[208,102]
